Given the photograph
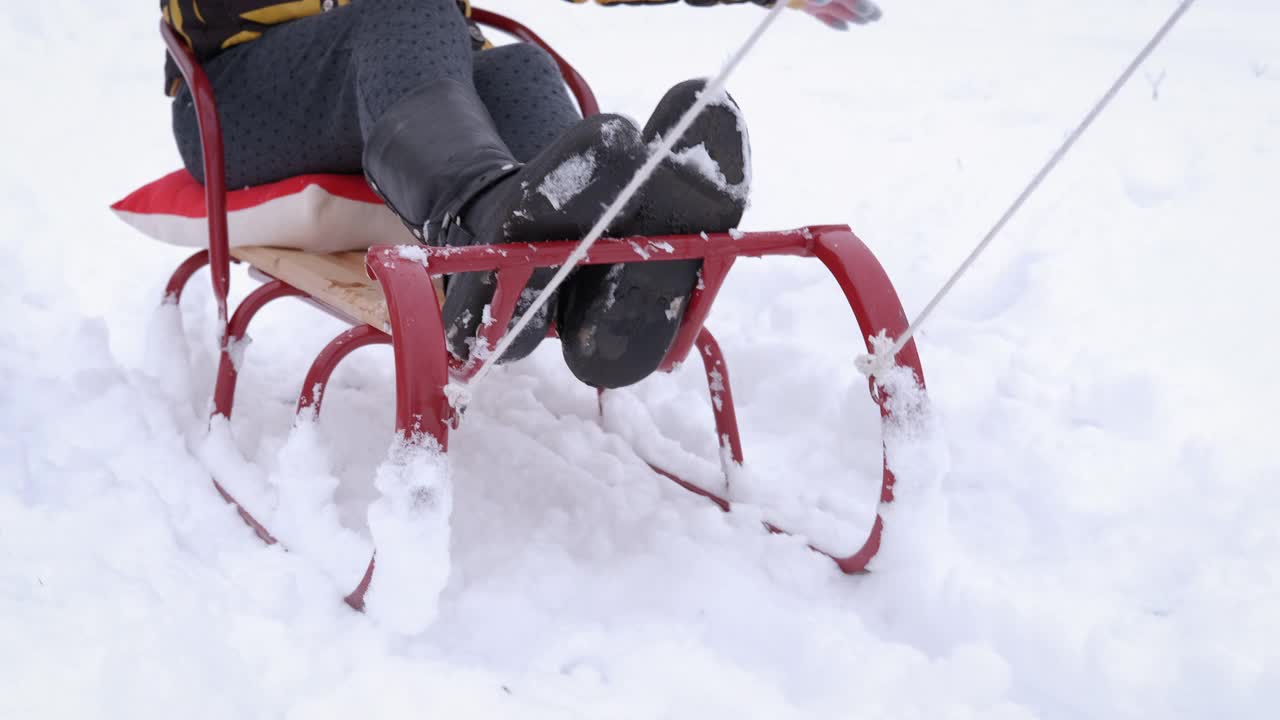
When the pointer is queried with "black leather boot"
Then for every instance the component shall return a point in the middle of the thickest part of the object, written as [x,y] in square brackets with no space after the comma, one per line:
[438,161]
[617,322]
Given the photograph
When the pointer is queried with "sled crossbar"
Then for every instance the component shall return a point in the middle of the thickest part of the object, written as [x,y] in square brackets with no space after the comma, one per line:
[447,260]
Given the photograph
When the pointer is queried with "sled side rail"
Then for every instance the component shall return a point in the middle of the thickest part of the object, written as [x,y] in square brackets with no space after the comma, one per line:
[608,251]
[860,276]
[215,179]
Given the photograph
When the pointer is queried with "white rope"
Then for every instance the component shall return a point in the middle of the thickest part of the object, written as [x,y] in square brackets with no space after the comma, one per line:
[460,394]
[883,359]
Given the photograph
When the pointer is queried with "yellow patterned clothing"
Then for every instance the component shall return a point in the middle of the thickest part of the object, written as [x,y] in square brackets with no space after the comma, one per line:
[211,26]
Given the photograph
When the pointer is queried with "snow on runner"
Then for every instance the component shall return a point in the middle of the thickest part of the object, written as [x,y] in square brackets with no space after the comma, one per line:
[409,524]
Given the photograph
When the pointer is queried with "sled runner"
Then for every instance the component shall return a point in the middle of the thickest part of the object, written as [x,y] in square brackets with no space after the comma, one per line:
[389,296]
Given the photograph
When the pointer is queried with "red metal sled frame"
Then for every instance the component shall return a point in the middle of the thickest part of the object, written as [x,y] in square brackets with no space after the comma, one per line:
[422,363]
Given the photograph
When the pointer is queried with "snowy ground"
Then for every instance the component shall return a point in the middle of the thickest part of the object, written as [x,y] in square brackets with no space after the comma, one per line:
[1088,519]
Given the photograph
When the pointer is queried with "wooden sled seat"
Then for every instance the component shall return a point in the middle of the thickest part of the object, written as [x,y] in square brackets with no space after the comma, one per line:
[336,280]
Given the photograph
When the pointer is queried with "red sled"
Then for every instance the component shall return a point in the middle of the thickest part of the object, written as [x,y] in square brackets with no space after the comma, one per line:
[389,297]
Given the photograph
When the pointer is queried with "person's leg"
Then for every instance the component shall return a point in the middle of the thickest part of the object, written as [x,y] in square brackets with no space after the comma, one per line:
[303,97]
[386,86]
[523,89]
[401,45]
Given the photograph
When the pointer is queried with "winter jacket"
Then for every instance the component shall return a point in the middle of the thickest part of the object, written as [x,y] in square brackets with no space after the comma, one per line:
[211,26]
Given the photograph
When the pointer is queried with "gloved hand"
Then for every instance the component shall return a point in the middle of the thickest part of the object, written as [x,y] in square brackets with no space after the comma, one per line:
[838,14]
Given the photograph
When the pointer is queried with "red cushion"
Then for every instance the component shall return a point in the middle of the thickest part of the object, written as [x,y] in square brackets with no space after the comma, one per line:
[321,213]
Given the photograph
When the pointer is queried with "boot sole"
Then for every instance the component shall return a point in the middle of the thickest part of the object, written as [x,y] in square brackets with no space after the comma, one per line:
[559,195]
[618,322]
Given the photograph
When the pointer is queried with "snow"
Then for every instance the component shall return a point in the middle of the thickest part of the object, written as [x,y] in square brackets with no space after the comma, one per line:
[673,309]
[527,297]
[409,524]
[612,278]
[1086,497]
[412,253]
[569,179]
[236,348]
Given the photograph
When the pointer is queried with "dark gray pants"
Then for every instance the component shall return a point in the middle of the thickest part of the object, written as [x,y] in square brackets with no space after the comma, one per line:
[303,97]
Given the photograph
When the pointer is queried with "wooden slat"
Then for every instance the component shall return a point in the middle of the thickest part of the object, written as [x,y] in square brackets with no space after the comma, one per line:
[337,279]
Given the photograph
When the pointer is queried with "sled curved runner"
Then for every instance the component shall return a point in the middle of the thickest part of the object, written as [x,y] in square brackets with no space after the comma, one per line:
[389,296]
